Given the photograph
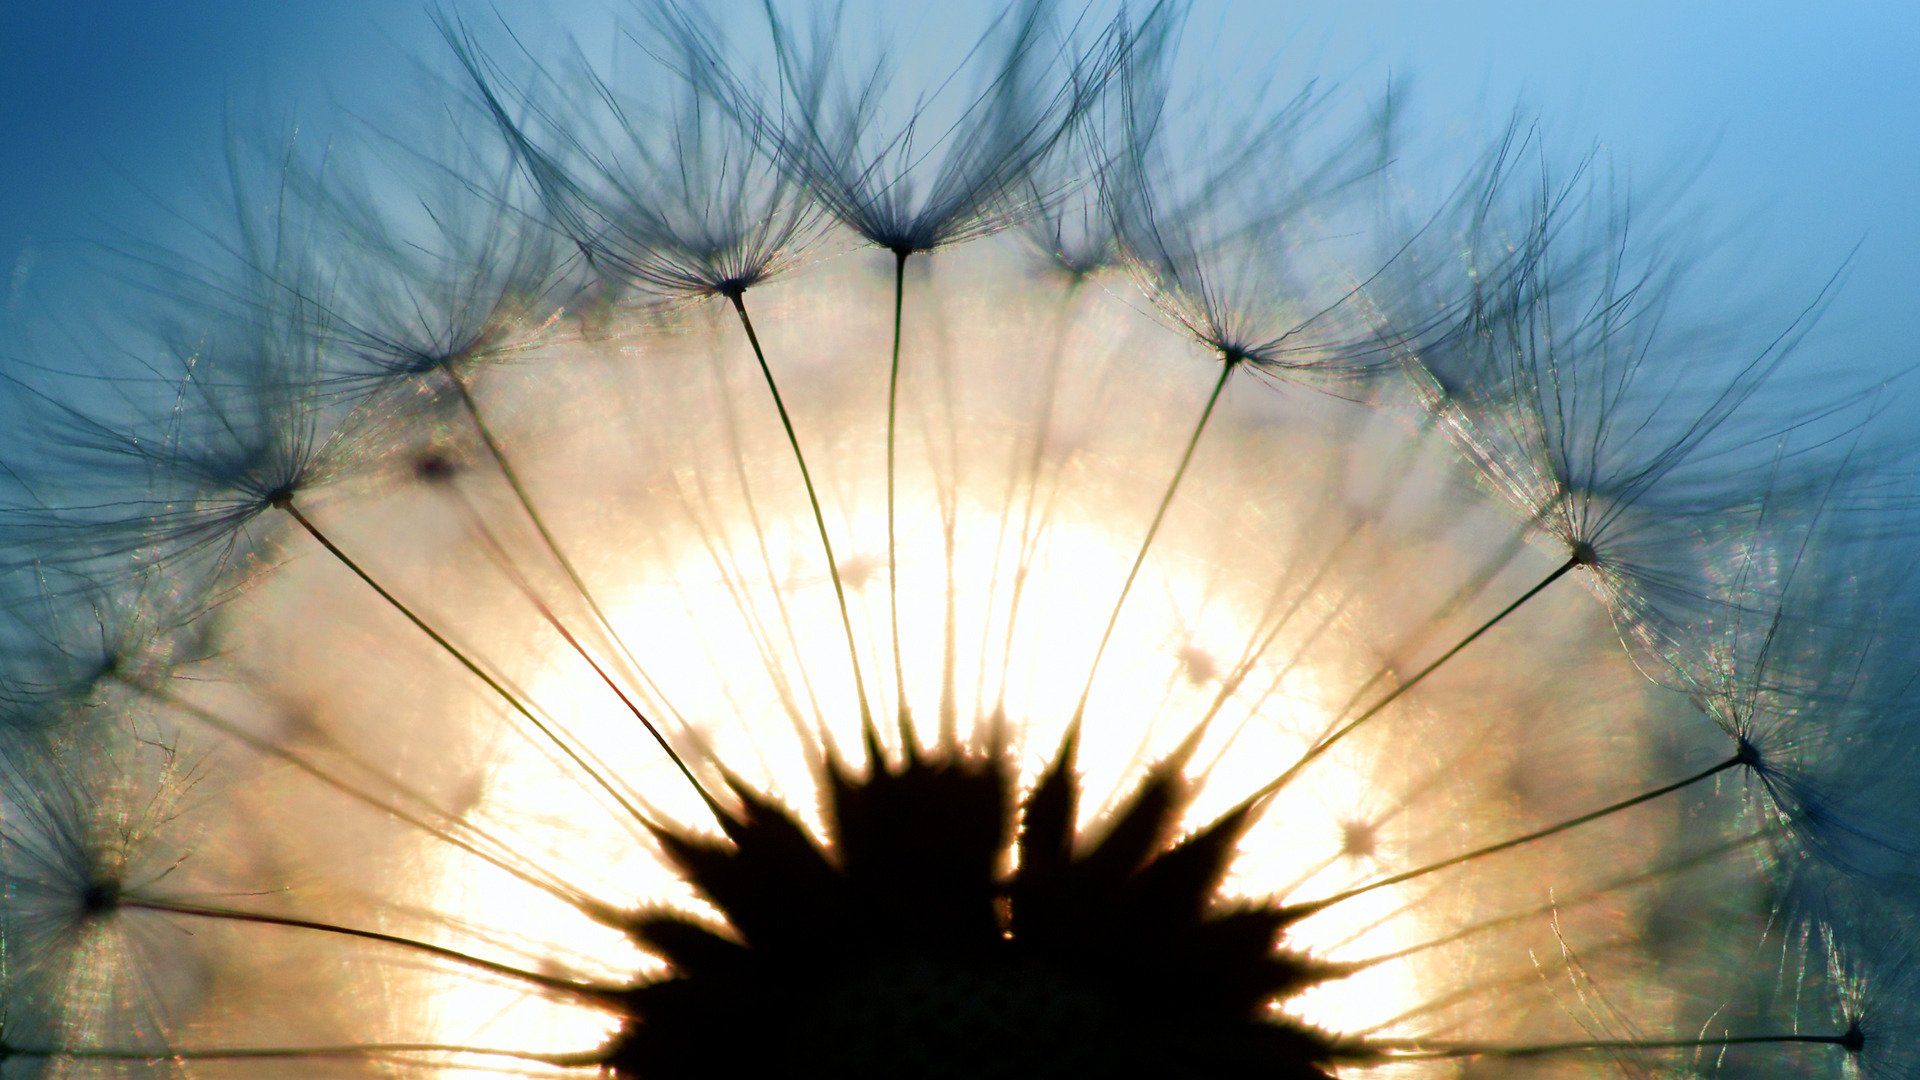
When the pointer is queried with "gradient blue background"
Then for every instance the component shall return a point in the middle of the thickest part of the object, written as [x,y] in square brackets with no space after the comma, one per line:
[1807,116]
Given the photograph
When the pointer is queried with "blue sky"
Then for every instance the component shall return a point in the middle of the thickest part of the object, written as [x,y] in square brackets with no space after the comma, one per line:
[1806,116]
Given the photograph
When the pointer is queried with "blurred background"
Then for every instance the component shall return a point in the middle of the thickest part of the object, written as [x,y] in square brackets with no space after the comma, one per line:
[1796,124]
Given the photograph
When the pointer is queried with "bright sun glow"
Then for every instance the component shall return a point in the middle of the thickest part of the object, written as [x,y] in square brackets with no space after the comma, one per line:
[1159,671]
[732,641]
[1315,553]
[670,604]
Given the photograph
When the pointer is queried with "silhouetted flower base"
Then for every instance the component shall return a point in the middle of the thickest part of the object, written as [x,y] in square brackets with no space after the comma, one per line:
[913,948]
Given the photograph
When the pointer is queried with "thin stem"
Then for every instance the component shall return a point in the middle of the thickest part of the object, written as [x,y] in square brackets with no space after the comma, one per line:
[1301,910]
[283,1053]
[513,700]
[544,883]
[505,563]
[1399,473]
[1562,903]
[491,967]
[1153,530]
[1467,591]
[1257,648]
[893,560]
[512,476]
[1320,748]
[813,499]
[1422,1051]
[1036,458]
[750,611]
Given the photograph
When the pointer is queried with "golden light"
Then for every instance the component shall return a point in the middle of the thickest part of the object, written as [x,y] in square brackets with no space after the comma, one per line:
[1256,612]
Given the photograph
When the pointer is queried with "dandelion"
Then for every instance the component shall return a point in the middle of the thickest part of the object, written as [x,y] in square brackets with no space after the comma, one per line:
[688,575]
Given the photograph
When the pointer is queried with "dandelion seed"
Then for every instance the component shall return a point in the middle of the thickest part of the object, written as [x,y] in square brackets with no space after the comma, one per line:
[453,649]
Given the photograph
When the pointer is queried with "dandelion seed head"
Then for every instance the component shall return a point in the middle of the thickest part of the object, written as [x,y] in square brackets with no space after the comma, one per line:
[720,588]
[757,622]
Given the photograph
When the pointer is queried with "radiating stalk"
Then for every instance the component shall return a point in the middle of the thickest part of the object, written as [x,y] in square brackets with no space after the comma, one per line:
[904,716]
[512,700]
[520,493]
[1565,902]
[1744,757]
[1028,538]
[1146,543]
[1320,748]
[295,1053]
[813,499]
[1851,1039]
[585,991]
[548,884]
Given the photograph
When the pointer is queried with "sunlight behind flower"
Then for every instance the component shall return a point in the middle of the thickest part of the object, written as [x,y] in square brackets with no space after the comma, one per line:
[757,569]
[1260,613]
